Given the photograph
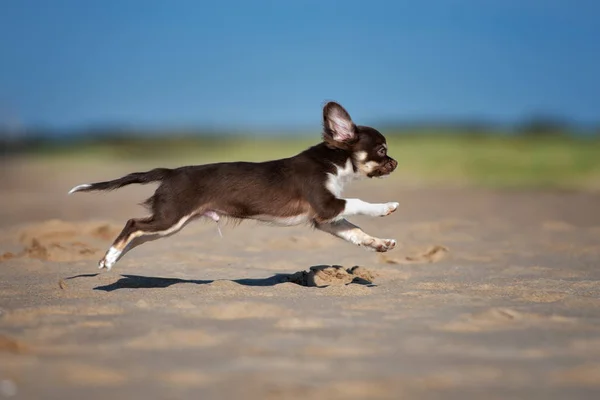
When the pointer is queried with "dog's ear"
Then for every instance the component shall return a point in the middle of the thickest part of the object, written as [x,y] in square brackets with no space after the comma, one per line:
[337,124]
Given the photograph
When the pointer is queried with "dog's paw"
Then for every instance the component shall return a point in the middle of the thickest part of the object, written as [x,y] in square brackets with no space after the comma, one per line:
[388,244]
[380,245]
[102,264]
[111,257]
[389,208]
[105,264]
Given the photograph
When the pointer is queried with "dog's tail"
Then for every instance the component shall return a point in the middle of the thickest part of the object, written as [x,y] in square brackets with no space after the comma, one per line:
[154,175]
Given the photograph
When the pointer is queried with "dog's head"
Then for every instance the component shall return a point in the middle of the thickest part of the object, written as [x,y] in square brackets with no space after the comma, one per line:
[367,145]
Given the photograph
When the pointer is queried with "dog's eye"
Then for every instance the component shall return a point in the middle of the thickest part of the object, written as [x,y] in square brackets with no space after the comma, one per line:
[381,152]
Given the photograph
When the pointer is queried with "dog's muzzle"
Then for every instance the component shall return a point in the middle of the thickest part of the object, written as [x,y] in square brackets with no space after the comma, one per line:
[385,169]
[390,166]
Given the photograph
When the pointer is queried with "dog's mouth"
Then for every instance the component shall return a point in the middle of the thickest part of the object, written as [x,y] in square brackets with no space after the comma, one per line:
[384,170]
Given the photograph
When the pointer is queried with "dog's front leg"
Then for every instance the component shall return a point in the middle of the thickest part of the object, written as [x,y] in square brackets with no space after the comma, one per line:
[359,207]
[353,234]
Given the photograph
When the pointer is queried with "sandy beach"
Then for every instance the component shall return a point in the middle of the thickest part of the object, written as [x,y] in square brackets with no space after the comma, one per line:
[489,294]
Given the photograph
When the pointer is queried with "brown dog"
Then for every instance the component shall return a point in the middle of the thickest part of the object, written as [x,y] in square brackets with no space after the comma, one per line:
[306,188]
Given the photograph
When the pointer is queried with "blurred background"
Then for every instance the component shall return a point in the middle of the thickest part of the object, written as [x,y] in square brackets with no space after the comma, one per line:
[469,92]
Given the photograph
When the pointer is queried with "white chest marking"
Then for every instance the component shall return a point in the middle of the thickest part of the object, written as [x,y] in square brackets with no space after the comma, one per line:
[335,182]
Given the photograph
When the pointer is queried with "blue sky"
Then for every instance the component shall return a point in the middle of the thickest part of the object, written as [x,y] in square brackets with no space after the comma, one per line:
[263,64]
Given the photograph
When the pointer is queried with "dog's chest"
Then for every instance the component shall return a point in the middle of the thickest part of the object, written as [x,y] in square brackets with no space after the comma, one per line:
[336,182]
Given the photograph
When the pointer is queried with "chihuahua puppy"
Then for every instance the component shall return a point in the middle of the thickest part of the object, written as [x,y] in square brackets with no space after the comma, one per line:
[303,189]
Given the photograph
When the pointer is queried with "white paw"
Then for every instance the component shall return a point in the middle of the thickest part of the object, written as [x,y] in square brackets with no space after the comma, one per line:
[105,264]
[389,208]
[111,257]
[380,245]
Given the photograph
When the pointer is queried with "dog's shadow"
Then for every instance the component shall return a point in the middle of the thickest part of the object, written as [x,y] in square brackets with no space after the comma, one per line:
[152,282]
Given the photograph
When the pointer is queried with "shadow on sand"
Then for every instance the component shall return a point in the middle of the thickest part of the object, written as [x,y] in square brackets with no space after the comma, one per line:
[147,282]
[151,282]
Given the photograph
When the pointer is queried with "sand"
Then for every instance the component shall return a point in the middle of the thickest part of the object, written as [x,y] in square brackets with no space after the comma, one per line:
[491,294]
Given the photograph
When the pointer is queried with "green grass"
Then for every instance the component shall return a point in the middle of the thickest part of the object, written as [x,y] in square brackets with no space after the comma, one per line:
[544,162]
[478,160]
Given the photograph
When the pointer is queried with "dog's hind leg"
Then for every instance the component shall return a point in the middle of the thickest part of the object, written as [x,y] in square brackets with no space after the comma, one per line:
[353,234]
[138,231]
